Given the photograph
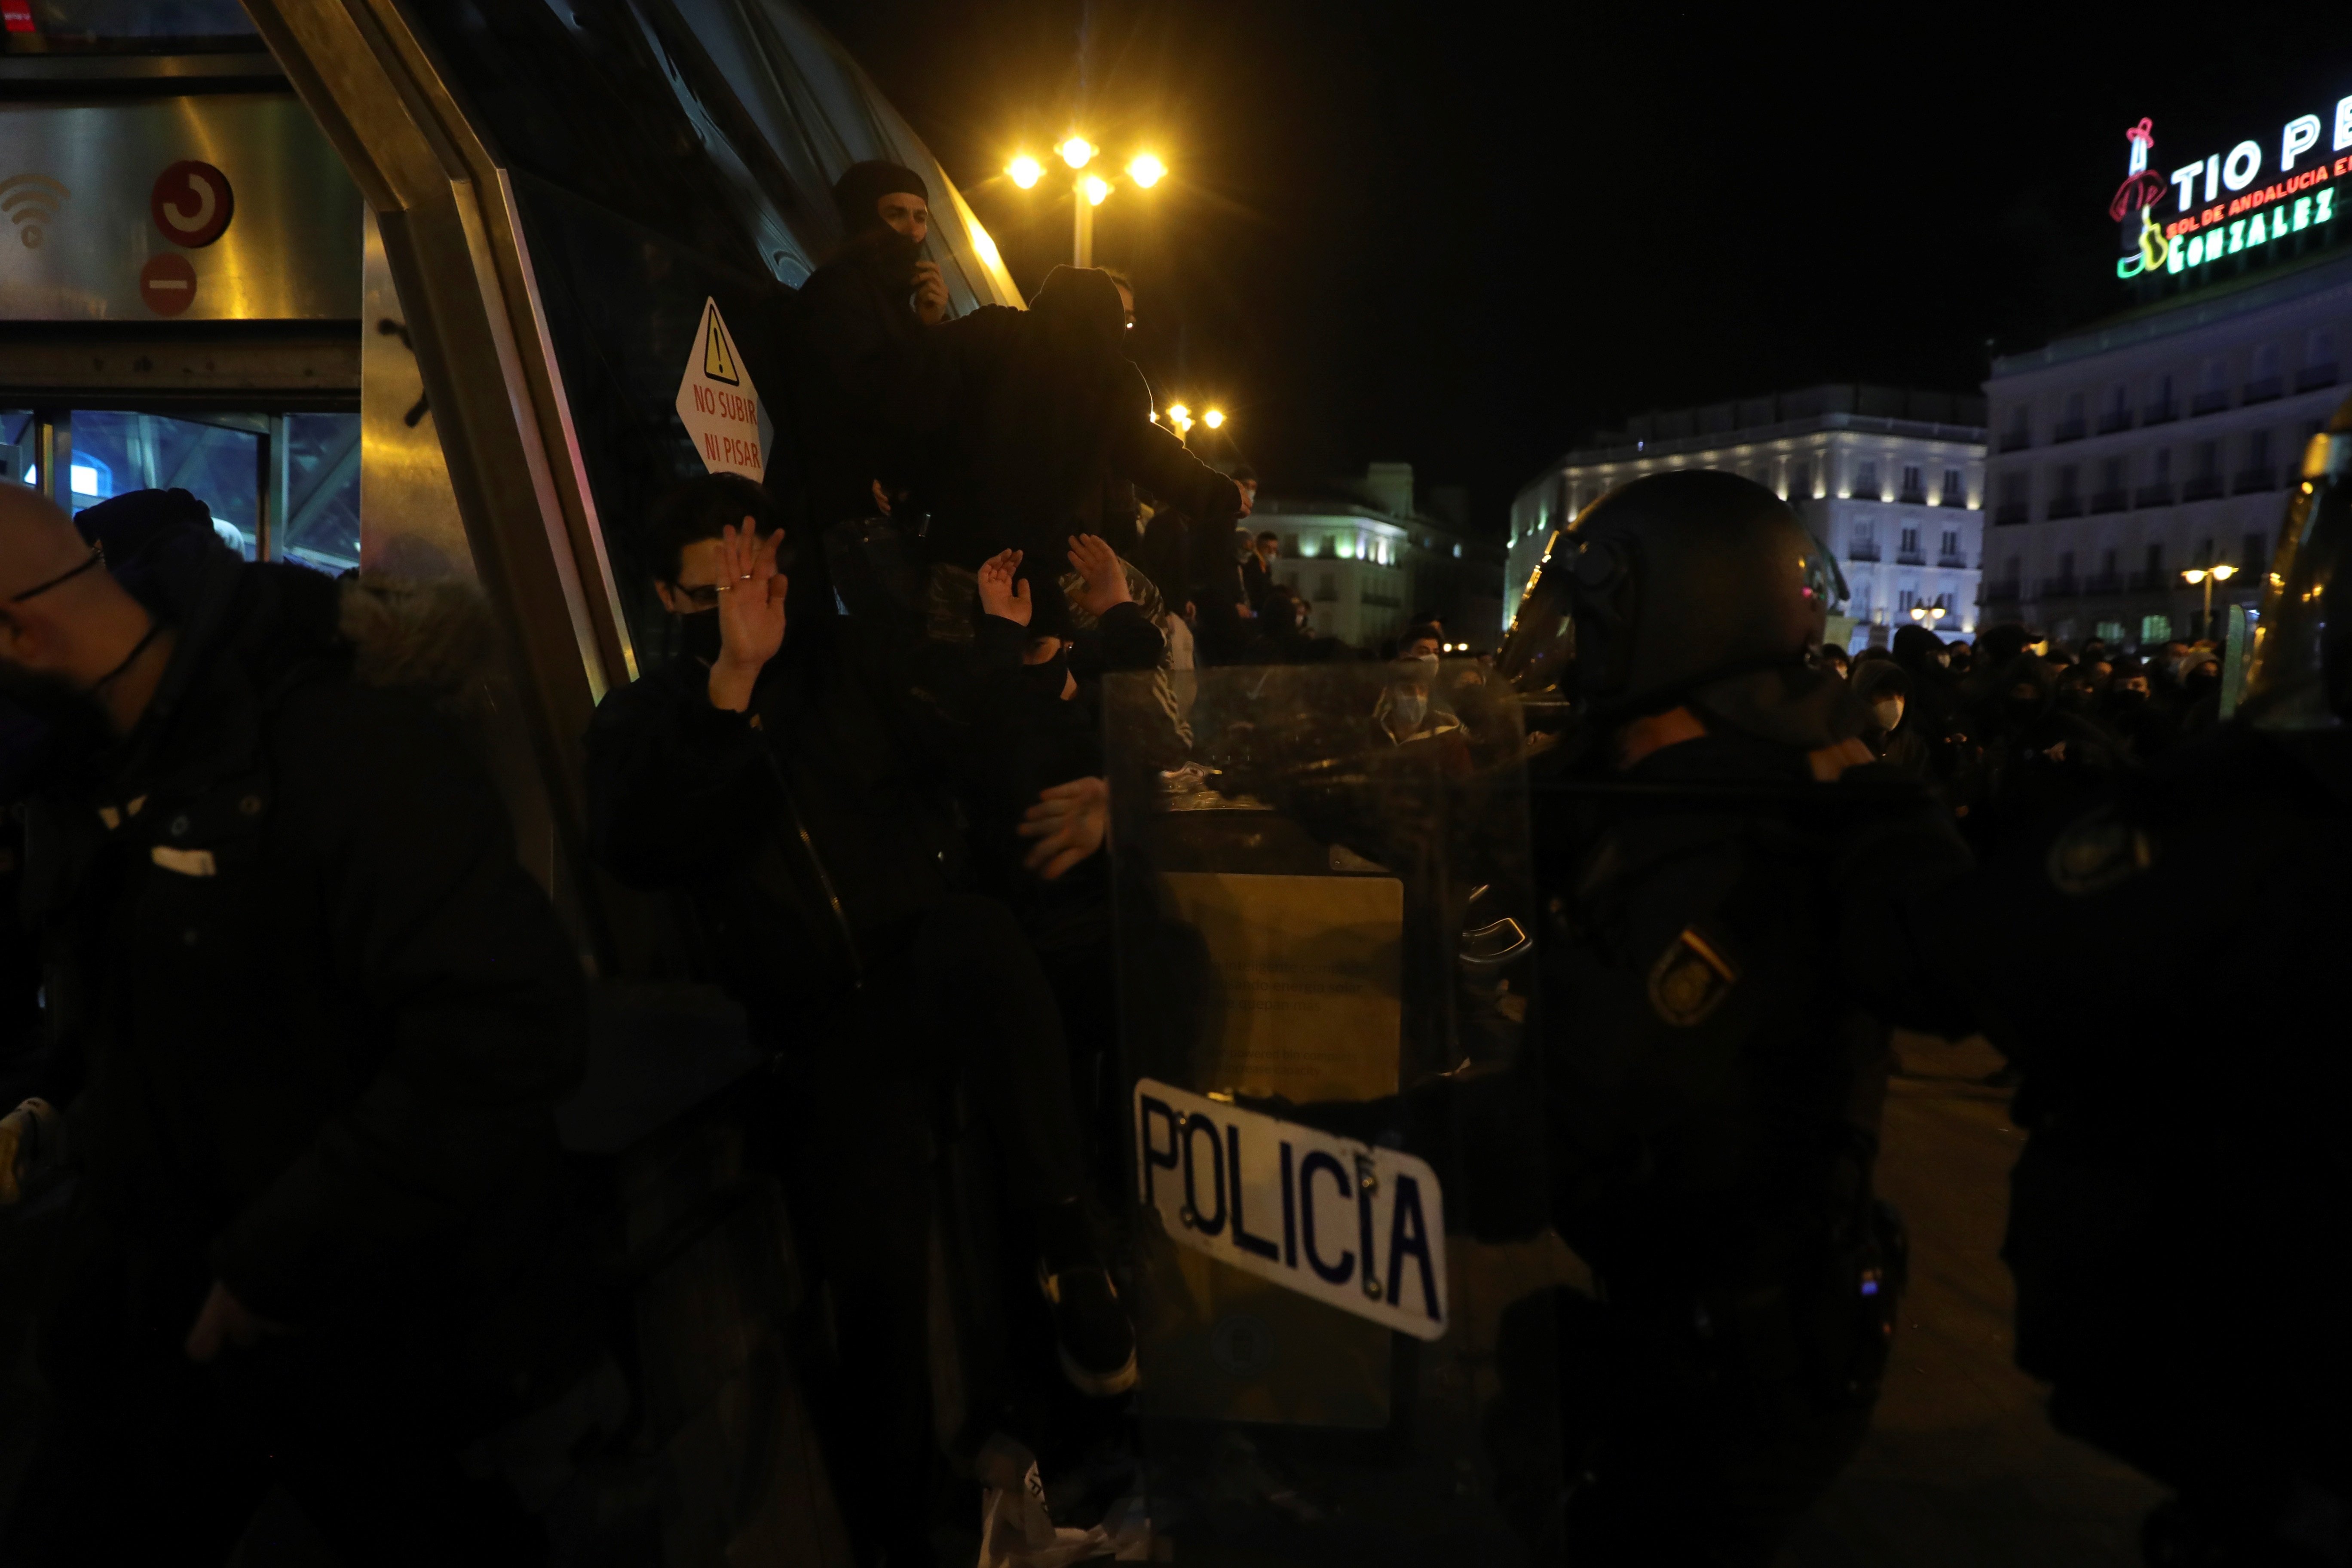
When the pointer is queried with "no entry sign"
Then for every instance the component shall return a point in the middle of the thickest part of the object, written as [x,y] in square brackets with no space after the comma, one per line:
[717,403]
[167,283]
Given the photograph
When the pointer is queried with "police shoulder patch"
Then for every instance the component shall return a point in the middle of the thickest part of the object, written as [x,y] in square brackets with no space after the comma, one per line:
[2097,853]
[1690,980]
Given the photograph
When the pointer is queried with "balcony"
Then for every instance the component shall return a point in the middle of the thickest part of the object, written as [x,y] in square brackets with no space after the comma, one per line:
[1913,498]
[2163,413]
[2152,582]
[2099,584]
[2010,512]
[2067,430]
[2204,487]
[1862,549]
[1999,593]
[1911,558]
[2212,402]
[2264,390]
[2105,501]
[1953,498]
[2015,440]
[2114,419]
[2312,377]
[2065,506]
[2153,495]
[2064,587]
[1953,563]
[2248,481]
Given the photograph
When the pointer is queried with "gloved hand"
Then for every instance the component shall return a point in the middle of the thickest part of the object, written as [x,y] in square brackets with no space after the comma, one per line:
[32,1144]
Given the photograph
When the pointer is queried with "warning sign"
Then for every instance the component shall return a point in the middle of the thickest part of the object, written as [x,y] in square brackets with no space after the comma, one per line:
[719,406]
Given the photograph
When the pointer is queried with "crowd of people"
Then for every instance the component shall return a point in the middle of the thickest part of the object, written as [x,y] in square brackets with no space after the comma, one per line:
[2013,721]
[290,1024]
[319,1234]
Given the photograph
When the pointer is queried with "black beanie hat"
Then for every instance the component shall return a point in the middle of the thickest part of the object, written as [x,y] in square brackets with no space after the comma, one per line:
[863,184]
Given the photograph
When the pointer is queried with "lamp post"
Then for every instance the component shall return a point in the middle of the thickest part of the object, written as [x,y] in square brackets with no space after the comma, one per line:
[1088,191]
[1928,614]
[2208,576]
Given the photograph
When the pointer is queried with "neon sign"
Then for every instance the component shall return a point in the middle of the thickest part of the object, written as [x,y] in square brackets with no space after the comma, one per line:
[2220,204]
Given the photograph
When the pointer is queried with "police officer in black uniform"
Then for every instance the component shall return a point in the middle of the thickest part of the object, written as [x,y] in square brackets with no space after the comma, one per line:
[1720,863]
[2176,1224]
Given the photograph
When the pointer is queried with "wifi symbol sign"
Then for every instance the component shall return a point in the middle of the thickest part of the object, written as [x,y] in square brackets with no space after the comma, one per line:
[31,202]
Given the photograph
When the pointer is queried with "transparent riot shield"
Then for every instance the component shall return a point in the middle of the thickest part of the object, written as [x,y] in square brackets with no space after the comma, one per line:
[1340,1261]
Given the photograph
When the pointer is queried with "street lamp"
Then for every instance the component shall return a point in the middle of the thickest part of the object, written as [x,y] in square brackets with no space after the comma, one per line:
[1088,191]
[1214,418]
[1928,614]
[2208,576]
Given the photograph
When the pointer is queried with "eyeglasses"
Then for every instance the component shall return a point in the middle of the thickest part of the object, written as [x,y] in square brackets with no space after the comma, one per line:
[97,557]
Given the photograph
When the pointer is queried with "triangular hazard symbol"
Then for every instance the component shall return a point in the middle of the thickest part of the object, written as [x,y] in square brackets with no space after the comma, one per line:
[718,354]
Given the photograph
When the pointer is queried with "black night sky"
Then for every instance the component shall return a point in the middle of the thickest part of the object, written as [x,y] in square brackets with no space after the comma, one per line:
[1462,235]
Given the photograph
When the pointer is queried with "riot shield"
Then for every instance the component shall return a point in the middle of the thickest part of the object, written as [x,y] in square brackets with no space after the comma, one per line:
[1336,1193]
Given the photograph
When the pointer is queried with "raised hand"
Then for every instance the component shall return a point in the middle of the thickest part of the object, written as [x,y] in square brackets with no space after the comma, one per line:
[1069,822]
[751,613]
[931,294]
[1105,579]
[1000,594]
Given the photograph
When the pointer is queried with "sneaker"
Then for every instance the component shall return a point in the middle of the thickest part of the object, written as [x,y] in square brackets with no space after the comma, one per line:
[1090,1329]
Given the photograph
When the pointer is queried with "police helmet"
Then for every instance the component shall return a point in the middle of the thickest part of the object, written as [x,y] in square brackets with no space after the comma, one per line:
[1663,584]
[2299,675]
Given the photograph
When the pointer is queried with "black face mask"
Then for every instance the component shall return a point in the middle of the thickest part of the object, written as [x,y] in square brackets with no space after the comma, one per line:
[51,698]
[2129,697]
[698,634]
[889,254]
[1049,678]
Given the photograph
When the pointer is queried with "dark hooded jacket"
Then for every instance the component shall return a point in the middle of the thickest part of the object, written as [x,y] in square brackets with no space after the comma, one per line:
[811,833]
[867,383]
[309,1016]
[1051,428]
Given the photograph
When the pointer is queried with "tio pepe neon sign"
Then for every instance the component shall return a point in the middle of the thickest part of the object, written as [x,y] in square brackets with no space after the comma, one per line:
[2221,206]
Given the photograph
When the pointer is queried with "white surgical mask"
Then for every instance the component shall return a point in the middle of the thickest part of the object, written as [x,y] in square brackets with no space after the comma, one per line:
[1409,710]
[1888,711]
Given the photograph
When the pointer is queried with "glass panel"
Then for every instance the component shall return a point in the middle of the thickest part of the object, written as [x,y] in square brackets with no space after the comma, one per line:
[662,156]
[135,27]
[323,504]
[113,452]
[1323,901]
[16,443]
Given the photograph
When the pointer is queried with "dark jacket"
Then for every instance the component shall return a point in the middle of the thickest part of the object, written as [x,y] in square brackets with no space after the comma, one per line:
[311,1017]
[812,833]
[1051,426]
[865,382]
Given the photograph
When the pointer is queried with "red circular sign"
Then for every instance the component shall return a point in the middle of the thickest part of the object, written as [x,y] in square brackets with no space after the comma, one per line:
[168,283]
[192,203]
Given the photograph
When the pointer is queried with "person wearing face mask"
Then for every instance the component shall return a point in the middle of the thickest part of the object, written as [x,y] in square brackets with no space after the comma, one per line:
[310,1019]
[1885,690]
[2129,711]
[785,776]
[866,384]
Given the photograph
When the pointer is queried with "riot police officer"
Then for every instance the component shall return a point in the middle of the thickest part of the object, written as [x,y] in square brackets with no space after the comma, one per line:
[2174,1218]
[1720,862]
